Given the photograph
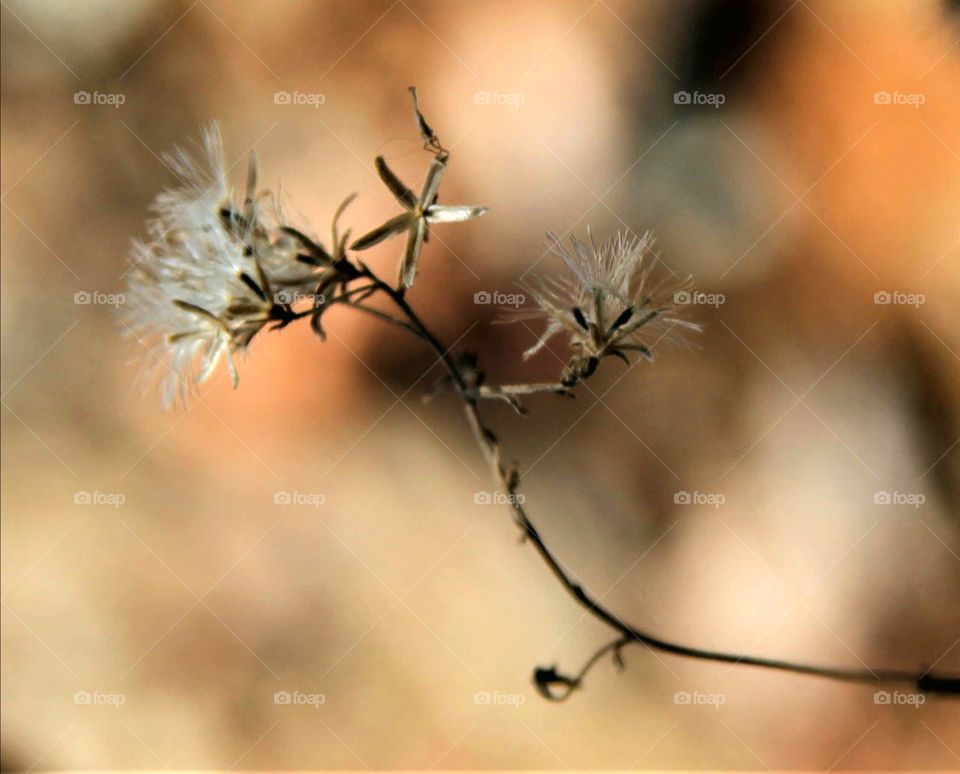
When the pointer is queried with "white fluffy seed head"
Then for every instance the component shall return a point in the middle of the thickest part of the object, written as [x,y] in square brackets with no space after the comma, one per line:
[204,282]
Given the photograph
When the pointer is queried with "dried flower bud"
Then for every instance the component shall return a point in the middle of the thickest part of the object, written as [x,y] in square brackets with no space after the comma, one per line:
[606,305]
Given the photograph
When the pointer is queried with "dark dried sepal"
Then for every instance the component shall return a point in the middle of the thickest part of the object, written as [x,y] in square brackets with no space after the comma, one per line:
[247,280]
[404,195]
[618,661]
[623,319]
[581,320]
[317,327]
[340,243]
[513,477]
[578,370]
[315,253]
[552,685]
[468,365]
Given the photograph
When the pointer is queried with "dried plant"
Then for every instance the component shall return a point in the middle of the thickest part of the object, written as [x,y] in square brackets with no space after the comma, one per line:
[220,269]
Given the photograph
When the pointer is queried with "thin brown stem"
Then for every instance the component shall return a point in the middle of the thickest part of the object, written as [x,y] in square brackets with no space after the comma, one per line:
[386,318]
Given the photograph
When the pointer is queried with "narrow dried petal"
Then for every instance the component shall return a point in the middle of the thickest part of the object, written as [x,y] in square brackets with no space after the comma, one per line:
[404,195]
[232,368]
[316,254]
[690,326]
[213,356]
[408,269]
[432,183]
[188,307]
[392,227]
[249,204]
[338,243]
[454,214]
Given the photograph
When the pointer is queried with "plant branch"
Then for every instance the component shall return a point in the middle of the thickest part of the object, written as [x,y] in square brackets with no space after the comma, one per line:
[552,684]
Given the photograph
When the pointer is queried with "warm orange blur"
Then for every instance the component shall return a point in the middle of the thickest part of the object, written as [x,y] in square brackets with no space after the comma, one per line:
[830,174]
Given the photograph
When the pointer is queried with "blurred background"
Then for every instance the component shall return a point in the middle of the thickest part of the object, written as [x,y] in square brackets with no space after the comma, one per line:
[789,486]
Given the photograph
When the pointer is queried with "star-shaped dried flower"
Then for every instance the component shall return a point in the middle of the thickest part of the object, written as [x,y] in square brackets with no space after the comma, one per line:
[420,212]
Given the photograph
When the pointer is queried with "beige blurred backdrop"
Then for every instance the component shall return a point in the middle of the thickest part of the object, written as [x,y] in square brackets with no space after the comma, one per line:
[400,600]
